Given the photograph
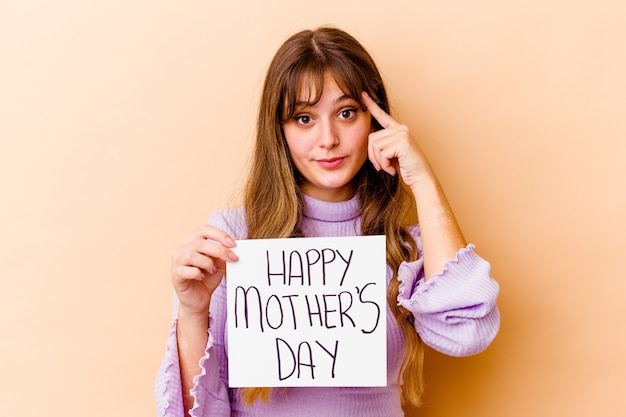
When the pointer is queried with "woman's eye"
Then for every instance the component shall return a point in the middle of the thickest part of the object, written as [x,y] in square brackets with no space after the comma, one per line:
[303,119]
[348,113]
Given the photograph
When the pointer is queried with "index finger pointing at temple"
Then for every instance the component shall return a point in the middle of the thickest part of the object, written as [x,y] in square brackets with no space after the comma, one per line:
[377,113]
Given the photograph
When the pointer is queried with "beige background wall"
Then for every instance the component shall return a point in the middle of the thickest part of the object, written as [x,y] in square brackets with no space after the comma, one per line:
[124,123]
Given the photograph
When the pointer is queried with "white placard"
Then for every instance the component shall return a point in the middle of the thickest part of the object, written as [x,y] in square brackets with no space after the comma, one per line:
[307,312]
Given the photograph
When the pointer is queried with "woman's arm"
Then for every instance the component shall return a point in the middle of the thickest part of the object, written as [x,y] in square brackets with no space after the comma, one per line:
[198,266]
[393,150]
[441,235]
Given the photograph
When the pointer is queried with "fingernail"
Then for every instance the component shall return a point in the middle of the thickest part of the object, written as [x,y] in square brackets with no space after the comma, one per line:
[232,256]
[230,242]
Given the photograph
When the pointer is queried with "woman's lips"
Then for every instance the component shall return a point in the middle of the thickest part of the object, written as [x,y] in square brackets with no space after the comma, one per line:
[330,163]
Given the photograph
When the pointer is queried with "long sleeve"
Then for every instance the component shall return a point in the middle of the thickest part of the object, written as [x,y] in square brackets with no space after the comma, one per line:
[209,391]
[168,390]
[455,311]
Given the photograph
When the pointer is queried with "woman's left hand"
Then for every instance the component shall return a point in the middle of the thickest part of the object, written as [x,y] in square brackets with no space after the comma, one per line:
[393,149]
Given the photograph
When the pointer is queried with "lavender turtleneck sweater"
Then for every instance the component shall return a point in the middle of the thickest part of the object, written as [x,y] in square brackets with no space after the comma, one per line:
[455,313]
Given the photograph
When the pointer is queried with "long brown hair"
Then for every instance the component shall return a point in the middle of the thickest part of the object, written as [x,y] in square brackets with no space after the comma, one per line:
[272,196]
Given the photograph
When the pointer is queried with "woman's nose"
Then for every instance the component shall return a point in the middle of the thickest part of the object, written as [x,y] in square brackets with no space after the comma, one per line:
[328,135]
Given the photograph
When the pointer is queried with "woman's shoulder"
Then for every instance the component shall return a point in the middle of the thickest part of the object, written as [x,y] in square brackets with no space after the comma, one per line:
[232,221]
[413,229]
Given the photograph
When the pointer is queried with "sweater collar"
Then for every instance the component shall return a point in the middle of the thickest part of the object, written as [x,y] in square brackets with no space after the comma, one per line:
[328,211]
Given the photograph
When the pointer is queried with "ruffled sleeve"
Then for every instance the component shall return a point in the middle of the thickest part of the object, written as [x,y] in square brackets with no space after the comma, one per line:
[168,390]
[209,391]
[455,311]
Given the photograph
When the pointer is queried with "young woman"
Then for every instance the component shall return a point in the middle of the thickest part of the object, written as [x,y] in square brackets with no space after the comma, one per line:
[330,161]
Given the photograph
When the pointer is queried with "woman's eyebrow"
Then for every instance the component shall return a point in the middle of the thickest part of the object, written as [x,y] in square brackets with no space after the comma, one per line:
[302,103]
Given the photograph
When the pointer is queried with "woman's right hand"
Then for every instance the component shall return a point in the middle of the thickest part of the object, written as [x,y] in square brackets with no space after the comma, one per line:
[198,266]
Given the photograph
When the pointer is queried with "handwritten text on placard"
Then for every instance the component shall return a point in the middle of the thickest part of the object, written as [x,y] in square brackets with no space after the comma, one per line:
[307,312]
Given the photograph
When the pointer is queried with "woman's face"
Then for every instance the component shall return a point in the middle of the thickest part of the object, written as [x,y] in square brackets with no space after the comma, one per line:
[328,142]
